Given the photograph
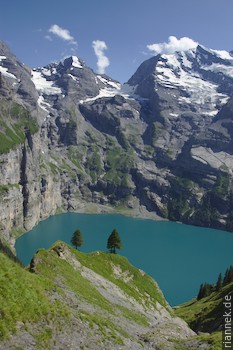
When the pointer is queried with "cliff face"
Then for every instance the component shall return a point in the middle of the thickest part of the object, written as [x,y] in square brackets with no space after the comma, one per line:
[27,195]
[162,143]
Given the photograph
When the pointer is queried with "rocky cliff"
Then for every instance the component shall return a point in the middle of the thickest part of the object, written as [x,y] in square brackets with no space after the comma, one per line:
[162,143]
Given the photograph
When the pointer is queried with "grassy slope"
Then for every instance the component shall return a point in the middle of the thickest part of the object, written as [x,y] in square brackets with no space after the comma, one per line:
[205,315]
[28,298]
[22,296]
[141,285]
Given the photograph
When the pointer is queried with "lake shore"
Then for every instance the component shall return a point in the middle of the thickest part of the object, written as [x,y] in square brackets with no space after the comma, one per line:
[138,212]
[95,208]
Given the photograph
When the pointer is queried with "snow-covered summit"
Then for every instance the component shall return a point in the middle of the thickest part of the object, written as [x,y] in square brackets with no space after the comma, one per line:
[197,79]
[76,62]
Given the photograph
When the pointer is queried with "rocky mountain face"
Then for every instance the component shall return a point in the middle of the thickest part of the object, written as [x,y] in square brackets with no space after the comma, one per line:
[161,143]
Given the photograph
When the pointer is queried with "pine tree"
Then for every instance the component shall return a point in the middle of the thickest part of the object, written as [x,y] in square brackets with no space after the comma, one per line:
[77,239]
[228,278]
[114,242]
[209,288]
[219,282]
[200,293]
[205,290]
[230,275]
[225,279]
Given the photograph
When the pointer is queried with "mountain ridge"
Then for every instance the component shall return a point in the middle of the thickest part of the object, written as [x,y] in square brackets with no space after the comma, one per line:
[75,140]
[159,144]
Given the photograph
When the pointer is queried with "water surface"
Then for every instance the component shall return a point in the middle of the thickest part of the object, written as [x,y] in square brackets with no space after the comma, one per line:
[179,257]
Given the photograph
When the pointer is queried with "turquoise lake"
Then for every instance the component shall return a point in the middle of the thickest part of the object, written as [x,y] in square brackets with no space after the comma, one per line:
[179,257]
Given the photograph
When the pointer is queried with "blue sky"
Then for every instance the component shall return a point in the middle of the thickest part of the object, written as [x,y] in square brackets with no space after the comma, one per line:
[125,27]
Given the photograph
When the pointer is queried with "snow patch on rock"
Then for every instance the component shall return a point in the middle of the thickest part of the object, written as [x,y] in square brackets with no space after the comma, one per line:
[44,86]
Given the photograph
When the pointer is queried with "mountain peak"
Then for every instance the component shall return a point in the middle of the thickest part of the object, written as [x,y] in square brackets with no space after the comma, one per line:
[4,50]
[214,54]
[169,104]
[73,61]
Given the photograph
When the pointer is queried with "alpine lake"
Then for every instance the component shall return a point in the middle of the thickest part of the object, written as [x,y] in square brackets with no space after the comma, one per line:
[179,257]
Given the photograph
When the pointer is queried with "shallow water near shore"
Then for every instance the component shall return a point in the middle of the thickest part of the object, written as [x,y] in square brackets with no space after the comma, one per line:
[179,257]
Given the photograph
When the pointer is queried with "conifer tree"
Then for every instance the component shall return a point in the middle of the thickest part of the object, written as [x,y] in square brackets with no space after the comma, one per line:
[200,293]
[205,290]
[219,282]
[114,242]
[228,278]
[225,279]
[77,239]
[230,275]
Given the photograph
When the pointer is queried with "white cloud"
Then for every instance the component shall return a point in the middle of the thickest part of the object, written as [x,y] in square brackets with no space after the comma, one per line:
[48,37]
[62,33]
[173,45]
[103,61]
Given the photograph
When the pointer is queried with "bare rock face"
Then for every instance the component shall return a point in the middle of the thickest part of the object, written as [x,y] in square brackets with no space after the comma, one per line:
[163,141]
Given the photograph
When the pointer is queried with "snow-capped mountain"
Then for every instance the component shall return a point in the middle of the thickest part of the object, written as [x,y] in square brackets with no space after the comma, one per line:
[186,91]
[72,77]
[198,80]
[160,143]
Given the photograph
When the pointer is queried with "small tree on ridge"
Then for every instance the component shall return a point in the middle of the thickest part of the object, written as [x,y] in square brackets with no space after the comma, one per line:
[114,242]
[77,239]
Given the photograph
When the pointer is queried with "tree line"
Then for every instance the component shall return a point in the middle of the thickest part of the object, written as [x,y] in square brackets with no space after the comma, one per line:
[206,289]
[113,243]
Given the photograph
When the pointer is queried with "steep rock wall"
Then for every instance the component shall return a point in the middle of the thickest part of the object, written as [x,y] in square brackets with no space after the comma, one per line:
[29,192]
